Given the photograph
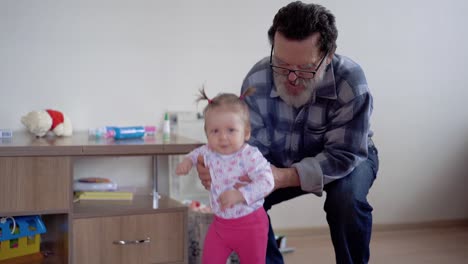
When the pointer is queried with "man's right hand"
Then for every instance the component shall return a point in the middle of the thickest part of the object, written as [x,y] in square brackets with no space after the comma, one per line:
[203,172]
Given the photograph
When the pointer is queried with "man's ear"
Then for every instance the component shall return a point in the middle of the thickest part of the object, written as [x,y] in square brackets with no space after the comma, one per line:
[329,58]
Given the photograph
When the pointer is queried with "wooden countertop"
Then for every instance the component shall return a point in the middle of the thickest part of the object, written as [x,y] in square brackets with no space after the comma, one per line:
[80,144]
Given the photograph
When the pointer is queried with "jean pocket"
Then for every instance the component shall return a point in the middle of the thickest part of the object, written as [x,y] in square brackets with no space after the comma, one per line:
[374,158]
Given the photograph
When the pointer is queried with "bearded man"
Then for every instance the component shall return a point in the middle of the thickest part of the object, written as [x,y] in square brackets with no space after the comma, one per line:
[310,118]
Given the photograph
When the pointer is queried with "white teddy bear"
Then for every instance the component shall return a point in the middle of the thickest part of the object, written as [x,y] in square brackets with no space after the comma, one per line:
[43,121]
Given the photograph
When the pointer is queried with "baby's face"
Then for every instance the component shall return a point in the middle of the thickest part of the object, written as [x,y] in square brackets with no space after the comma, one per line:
[225,131]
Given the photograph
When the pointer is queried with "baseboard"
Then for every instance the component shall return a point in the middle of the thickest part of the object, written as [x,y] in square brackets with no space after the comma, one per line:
[304,231]
[323,230]
[422,225]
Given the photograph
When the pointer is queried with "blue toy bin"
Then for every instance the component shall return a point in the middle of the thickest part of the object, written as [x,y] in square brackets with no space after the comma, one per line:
[24,240]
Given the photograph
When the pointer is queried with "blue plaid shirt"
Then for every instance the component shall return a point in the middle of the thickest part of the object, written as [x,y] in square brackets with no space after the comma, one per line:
[327,137]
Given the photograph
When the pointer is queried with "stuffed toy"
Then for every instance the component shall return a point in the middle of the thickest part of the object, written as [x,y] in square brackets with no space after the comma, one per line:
[41,122]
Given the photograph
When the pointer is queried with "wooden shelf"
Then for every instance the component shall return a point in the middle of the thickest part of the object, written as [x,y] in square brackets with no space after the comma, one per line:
[80,144]
[38,212]
[141,204]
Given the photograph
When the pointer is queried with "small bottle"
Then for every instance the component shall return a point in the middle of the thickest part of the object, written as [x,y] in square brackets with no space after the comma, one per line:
[150,131]
[100,132]
[166,127]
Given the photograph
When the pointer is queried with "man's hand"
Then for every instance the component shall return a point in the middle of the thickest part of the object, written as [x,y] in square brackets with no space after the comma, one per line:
[203,172]
[285,177]
[230,198]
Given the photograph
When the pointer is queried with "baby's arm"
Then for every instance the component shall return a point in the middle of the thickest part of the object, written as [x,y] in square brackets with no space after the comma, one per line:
[190,160]
[261,176]
[184,167]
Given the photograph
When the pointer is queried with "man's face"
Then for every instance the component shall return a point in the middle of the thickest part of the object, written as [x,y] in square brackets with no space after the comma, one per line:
[297,55]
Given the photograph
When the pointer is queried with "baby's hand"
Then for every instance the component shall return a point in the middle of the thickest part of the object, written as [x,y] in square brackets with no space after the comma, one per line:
[230,198]
[184,167]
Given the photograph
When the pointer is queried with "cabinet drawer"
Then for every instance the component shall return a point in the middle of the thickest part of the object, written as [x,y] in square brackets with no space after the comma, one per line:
[35,183]
[161,239]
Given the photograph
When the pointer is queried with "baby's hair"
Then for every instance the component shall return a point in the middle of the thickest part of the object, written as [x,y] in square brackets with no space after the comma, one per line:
[228,101]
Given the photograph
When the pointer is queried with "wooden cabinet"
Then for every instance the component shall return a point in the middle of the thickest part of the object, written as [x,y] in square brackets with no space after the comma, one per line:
[35,184]
[151,238]
[36,177]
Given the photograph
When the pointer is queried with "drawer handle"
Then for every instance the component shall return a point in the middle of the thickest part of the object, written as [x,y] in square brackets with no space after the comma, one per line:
[132,242]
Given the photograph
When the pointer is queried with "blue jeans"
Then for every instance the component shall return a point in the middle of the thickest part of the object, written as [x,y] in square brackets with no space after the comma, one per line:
[349,215]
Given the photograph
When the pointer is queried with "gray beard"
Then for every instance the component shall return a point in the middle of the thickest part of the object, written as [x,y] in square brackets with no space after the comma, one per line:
[301,99]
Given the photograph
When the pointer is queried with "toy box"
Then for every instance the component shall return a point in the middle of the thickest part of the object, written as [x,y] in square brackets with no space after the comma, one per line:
[20,236]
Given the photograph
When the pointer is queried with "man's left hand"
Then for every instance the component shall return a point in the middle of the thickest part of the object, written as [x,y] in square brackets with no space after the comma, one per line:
[285,177]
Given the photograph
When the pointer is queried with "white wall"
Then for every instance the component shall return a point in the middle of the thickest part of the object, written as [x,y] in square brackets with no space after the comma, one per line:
[126,62]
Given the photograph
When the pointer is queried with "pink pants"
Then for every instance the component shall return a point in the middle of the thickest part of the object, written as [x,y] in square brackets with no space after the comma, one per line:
[247,236]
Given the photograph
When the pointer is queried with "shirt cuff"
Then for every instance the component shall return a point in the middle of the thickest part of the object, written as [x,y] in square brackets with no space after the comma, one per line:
[310,175]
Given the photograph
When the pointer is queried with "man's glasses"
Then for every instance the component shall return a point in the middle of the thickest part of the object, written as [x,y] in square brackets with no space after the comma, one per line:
[299,73]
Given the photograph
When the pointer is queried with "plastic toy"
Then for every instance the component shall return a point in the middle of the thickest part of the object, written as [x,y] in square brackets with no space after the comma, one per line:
[24,239]
[94,184]
[114,132]
[41,122]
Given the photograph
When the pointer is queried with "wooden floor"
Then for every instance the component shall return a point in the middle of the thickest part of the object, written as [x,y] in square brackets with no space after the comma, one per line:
[427,245]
